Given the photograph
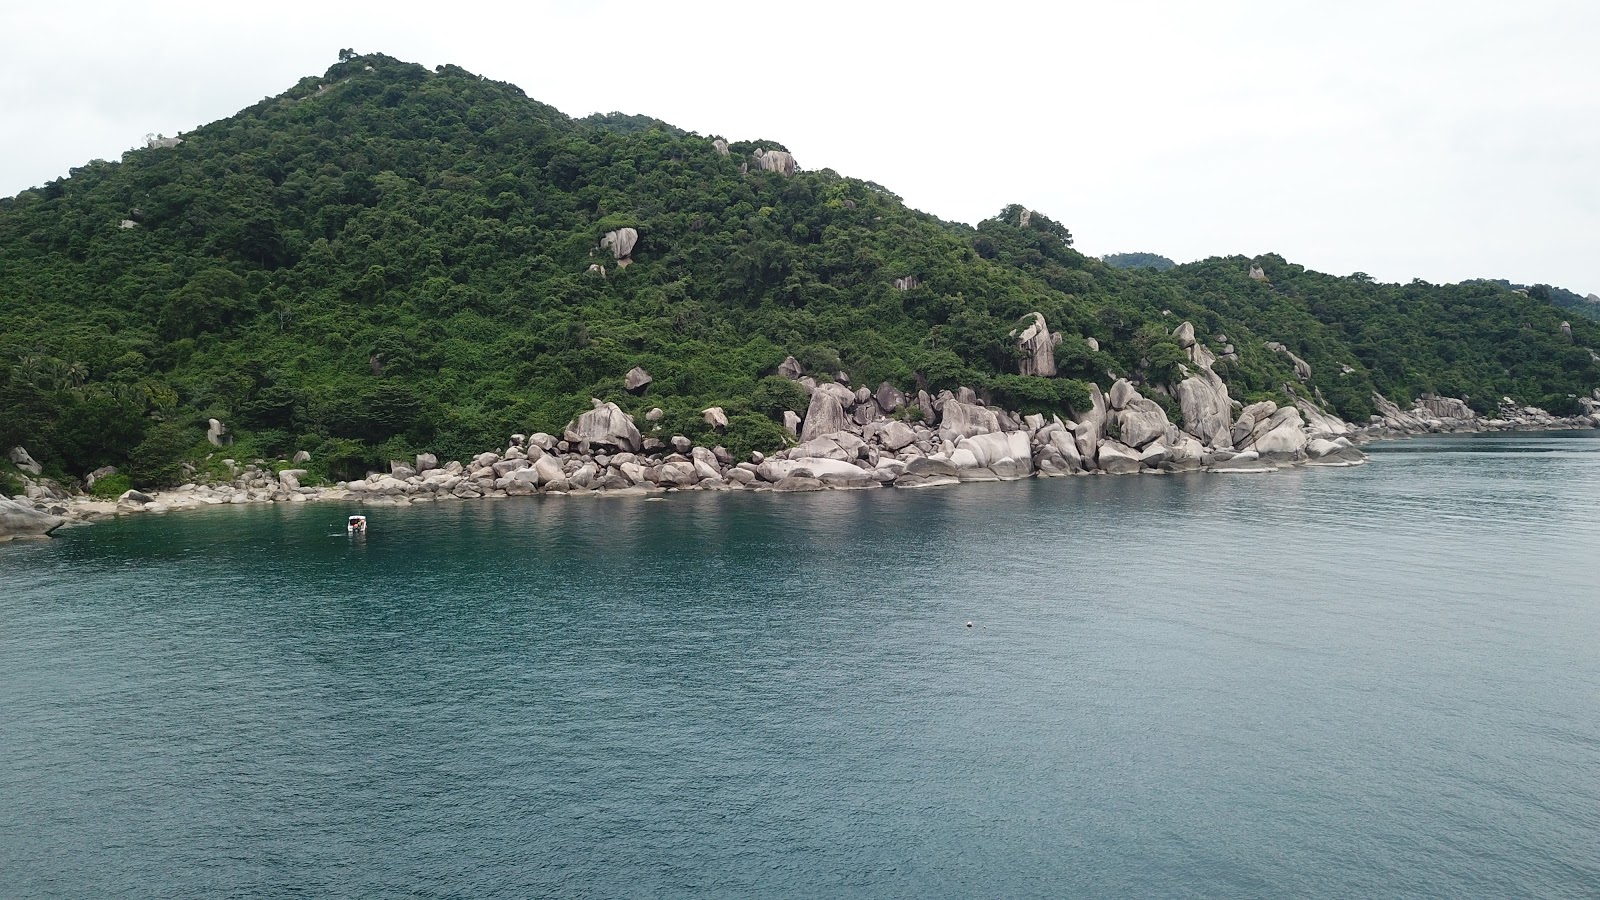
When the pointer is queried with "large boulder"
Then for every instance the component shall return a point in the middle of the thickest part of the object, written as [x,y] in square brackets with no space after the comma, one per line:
[959,420]
[791,421]
[1116,458]
[845,396]
[18,520]
[791,369]
[780,161]
[1091,424]
[21,459]
[1122,393]
[1184,334]
[1281,437]
[889,398]
[636,380]
[1008,455]
[715,417]
[621,243]
[897,435]
[1445,407]
[1038,346]
[1251,423]
[216,432]
[1141,421]
[825,415]
[605,426]
[1319,422]
[1337,452]
[1207,408]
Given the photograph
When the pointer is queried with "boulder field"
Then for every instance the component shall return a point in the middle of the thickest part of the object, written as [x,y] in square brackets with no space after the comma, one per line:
[861,439]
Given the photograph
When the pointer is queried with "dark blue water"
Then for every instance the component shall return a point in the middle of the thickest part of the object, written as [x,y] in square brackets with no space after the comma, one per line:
[1380,682]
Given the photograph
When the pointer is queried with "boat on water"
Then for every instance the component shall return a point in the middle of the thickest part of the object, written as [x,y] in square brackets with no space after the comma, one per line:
[357,525]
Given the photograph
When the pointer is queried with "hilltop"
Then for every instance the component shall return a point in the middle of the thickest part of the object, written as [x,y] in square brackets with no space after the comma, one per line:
[385,260]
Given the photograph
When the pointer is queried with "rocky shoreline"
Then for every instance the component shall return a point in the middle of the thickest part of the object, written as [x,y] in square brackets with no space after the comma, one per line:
[847,440]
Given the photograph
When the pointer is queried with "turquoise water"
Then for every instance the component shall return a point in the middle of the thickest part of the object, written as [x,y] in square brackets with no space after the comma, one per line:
[1376,682]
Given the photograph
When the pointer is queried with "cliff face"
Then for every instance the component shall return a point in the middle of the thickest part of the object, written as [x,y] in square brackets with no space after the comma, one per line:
[385,260]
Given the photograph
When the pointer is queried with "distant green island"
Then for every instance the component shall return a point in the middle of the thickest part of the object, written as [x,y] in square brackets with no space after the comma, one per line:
[387,260]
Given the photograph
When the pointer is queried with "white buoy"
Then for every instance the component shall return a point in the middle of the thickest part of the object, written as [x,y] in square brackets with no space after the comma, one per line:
[969,624]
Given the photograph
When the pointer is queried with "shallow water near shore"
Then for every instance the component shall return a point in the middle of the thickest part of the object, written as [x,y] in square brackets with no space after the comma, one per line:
[1381,681]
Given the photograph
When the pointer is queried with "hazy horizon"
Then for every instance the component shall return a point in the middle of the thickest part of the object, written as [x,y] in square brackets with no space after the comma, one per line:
[1443,142]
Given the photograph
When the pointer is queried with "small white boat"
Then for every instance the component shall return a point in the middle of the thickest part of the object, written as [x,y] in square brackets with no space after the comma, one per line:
[357,525]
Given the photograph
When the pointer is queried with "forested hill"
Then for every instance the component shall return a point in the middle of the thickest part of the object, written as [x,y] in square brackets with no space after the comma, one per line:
[387,259]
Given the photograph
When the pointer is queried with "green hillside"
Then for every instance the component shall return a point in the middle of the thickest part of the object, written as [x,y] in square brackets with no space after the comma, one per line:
[388,259]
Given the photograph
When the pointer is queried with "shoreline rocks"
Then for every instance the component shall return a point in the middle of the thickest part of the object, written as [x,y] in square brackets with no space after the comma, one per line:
[849,440]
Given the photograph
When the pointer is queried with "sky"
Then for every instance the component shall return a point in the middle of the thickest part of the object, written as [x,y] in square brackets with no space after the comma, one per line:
[1433,140]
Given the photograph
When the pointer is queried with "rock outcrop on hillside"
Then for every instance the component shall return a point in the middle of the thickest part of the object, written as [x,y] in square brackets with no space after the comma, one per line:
[1038,346]
[621,243]
[779,161]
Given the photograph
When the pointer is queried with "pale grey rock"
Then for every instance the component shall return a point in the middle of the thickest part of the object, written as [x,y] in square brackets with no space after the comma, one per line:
[1091,425]
[1184,334]
[22,460]
[825,415]
[301,456]
[1122,393]
[839,392]
[636,380]
[930,413]
[958,419]
[20,521]
[908,283]
[621,243]
[889,398]
[1257,273]
[1281,437]
[655,414]
[791,369]
[1008,455]
[1207,408]
[400,470]
[897,436]
[606,425]
[1116,458]
[779,161]
[1185,455]
[681,444]
[791,422]
[159,142]
[931,467]
[1038,346]
[1302,369]
[1445,407]
[678,474]
[1092,344]
[715,417]
[721,146]
[798,483]
[1250,423]
[1566,330]
[215,432]
[426,461]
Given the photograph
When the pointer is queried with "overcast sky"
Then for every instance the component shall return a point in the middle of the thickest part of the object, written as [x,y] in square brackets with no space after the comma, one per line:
[1439,140]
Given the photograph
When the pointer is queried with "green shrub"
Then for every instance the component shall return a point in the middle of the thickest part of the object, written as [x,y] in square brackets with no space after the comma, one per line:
[111,487]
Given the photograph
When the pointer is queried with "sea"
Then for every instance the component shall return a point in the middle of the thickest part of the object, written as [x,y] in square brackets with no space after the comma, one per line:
[1381,681]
